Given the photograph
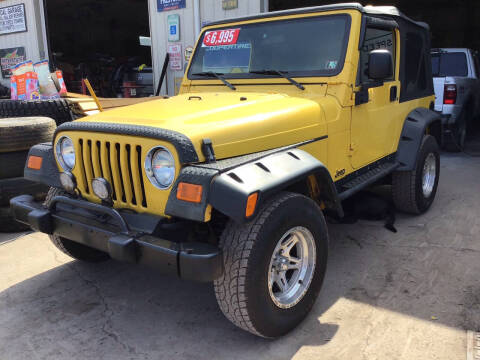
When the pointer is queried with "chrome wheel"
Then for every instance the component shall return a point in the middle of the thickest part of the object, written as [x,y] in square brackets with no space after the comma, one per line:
[429,174]
[292,267]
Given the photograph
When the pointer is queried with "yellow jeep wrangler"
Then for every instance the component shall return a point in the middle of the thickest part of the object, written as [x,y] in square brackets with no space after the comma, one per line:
[280,117]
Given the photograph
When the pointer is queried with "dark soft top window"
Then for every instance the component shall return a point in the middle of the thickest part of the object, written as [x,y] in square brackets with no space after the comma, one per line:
[449,64]
[415,66]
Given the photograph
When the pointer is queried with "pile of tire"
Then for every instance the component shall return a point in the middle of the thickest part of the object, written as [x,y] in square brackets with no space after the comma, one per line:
[17,136]
[57,109]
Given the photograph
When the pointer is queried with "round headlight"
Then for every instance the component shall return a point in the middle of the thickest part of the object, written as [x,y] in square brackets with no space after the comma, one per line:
[65,152]
[160,167]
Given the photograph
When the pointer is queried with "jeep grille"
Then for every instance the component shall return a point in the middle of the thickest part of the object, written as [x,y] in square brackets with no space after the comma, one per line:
[120,164]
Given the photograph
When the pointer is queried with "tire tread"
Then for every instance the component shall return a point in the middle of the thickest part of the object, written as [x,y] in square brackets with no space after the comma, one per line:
[57,109]
[406,196]
[56,240]
[403,191]
[76,251]
[17,134]
[237,242]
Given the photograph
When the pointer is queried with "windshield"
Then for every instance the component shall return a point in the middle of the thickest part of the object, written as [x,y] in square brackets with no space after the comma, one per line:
[449,64]
[314,46]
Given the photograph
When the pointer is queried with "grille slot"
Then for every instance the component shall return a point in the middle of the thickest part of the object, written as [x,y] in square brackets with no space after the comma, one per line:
[121,171]
[132,185]
[120,164]
[84,187]
[139,162]
[87,161]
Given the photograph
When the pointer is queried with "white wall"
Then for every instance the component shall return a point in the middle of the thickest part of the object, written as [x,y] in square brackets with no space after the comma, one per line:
[210,10]
[33,40]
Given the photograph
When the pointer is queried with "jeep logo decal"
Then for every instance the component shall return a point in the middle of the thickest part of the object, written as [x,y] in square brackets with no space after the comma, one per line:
[339,173]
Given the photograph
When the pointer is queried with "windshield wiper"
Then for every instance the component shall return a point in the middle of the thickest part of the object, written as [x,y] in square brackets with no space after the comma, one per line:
[217,75]
[281,73]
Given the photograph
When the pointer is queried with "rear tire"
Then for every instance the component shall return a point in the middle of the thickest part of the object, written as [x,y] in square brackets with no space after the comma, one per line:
[57,109]
[18,134]
[455,140]
[256,258]
[72,248]
[414,191]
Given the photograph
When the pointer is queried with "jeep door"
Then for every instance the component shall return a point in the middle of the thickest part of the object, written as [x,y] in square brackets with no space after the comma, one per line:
[375,117]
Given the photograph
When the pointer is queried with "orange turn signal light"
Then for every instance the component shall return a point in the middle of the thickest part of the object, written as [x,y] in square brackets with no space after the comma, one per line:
[251,204]
[35,162]
[189,192]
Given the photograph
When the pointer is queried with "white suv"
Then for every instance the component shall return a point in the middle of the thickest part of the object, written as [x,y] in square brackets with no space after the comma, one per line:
[456,78]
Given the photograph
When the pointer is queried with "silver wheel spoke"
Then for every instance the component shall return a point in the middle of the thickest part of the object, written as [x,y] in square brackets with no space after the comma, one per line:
[289,244]
[294,263]
[281,281]
[429,174]
[272,278]
[289,276]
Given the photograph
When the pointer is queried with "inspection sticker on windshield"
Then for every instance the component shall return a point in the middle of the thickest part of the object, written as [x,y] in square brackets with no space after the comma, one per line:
[331,65]
[221,37]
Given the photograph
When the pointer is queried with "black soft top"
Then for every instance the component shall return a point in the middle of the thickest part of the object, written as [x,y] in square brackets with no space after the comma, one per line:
[391,11]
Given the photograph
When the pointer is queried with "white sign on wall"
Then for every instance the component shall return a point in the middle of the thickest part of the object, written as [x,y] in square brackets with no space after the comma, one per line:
[12,19]
[175,53]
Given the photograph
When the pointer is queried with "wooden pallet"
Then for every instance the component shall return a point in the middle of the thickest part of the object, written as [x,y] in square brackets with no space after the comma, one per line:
[85,105]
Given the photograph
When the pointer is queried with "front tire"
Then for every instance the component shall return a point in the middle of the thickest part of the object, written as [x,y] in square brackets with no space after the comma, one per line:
[274,266]
[72,248]
[414,191]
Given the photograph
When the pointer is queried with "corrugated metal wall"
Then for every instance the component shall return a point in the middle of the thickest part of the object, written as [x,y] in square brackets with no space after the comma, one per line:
[210,10]
[34,39]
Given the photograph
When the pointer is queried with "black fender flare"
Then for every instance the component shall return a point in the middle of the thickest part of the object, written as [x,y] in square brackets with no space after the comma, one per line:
[414,128]
[230,190]
[48,173]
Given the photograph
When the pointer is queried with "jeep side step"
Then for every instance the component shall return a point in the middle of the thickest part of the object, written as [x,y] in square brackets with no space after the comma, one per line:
[368,178]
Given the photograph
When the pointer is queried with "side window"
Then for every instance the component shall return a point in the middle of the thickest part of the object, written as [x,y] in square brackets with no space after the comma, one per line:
[375,39]
[415,80]
[416,67]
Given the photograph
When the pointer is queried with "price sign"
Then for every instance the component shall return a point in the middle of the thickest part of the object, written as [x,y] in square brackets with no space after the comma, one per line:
[221,37]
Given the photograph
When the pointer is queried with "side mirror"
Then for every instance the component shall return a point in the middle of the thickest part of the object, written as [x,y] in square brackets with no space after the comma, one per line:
[380,64]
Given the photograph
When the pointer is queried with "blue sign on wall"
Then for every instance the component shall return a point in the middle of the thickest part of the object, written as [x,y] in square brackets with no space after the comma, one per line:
[165,5]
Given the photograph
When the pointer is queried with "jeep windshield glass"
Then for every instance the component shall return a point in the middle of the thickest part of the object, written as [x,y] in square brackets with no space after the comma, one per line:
[301,47]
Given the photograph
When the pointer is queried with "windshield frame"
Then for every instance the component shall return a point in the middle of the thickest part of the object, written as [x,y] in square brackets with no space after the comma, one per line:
[292,74]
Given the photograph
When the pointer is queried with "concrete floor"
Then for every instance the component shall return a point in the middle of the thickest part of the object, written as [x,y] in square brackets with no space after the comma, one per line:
[410,295]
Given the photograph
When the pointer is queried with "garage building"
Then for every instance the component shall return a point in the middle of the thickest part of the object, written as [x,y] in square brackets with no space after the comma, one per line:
[95,37]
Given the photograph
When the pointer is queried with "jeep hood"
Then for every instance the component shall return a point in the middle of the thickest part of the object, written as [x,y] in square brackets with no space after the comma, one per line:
[236,123]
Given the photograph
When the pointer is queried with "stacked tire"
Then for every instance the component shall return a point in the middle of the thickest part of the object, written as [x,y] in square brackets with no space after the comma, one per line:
[17,136]
[57,109]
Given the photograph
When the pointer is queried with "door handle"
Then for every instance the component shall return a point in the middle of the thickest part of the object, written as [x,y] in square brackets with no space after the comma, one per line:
[393,93]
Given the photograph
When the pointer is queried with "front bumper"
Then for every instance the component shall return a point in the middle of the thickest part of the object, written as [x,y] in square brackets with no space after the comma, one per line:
[120,236]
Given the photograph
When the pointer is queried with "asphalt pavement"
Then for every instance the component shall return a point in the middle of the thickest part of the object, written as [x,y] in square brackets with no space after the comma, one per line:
[410,295]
